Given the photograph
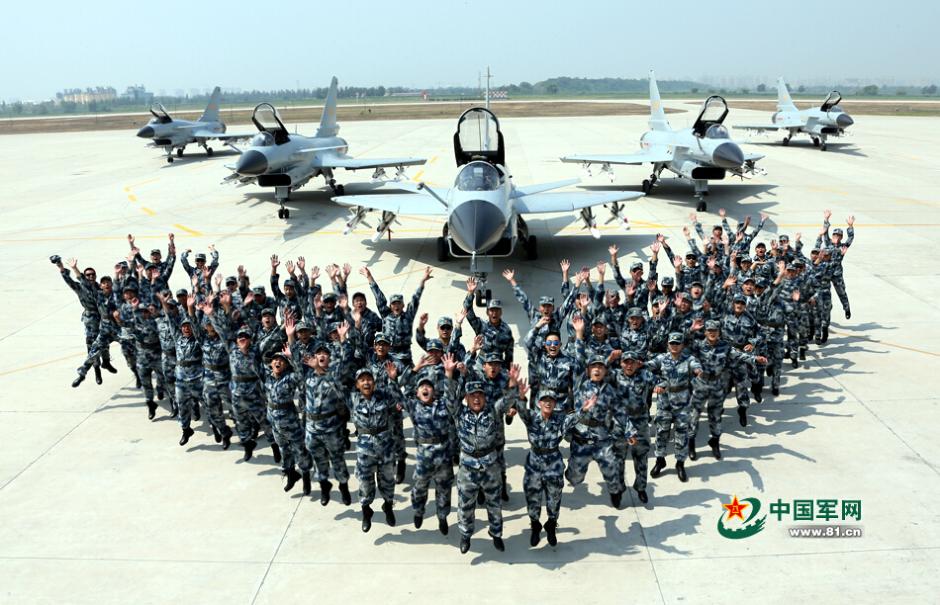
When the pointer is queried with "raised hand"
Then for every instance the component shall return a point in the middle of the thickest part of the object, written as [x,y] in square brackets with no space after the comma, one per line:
[827,214]
[314,273]
[343,302]
[290,324]
[565,265]
[460,316]
[241,271]
[347,269]
[764,216]
[274,262]
[686,233]
[477,342]
[677,263]
[722,213]
[449,363]
[471,284]
[798,235]
[342,329]
[601,269]
[850,220]
[577,322]
[589,403]
[211,247]
[422,320]
[523,389]
[218,281]
[509,275]
[697,324]
[391,369]
[693,218]
[289,266]
[656,247]
[72,263]
[427,275]
[225,299]
[514,371]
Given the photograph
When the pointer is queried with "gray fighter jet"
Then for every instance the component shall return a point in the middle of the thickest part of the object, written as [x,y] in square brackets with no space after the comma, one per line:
[828,120]
[164,131]
[702,153]
[285,161]
[484,208]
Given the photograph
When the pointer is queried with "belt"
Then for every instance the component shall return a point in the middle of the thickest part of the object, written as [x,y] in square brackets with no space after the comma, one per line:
[244,379]
[287,405]
[189,364]
[545,451]
[581,440]
[480,453]
[429,440]
[318,417]
[218,367]
[678,389]
[590,422]
[373,431]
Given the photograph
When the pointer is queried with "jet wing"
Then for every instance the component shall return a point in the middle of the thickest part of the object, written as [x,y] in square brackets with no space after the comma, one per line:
[405,203]
[760,127]
[530,189]
[350,163]
[221,136]
[636,158]
[753,157]
[538,203]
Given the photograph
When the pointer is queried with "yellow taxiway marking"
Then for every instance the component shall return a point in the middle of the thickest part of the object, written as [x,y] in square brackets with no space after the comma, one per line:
[417,176]
[192,232]
[147,211]
[432,160]
[884,342]
[42,363]
[132,197]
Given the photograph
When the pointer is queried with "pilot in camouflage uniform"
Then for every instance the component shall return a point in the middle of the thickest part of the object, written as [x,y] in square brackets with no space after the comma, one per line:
[107,332]
[398,320]
[430,412]
[86,288]
[371,411]
[187,339]
[552,370]
[544,465]
[147,340]
[448,335]
[592,436]
[496,333]
[199,270]
[496,384]
[834,245]
[166,318]
[270,337]
[740,329]
[280,388]
[675,370]
[633,384]
[771,315]
[636,333]
[216,377]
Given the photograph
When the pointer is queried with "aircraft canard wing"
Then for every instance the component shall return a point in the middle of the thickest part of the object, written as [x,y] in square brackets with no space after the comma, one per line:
[420,204]
[539,188]
[753,157]
[538,203]
[350,163]
[222,136]
[636,158]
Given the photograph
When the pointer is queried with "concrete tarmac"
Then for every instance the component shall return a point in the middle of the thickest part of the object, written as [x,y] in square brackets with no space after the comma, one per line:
[99,505]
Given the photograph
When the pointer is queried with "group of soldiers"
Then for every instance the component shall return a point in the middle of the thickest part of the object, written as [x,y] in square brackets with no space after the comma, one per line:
[300,362]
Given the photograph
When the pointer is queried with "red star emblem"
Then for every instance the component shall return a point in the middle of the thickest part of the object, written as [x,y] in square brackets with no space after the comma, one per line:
[735,509]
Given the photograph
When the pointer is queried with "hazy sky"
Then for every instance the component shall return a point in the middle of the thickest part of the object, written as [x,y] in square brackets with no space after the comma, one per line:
[173,45]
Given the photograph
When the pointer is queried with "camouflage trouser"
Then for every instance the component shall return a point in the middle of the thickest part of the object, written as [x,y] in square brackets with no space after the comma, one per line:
[128,350]
[709,395]
[639,453]
[470,481]
[673,410]
[797,329]
[92,327]
[107,333]
[823,310]
[148,366]
[398,435]
[543,478]
[289,437]
[433,463]
[375,462]
[216,394]
[249,413]
[741,377]
[775,354]
[838,282]
[327,449]
[188,394]
[601,452]
[168,362]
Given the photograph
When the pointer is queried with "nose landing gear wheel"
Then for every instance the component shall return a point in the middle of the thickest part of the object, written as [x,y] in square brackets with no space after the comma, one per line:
[815,142]
[786,141]
[531,248]
[283,213]
[702,206]
[647,186]
[209,151]
[179,152]
[340,190]
[443,254]
[169,159]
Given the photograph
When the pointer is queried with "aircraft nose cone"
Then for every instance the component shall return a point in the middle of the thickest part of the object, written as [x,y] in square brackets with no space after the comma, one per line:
[477,225]
[252,163]
[728,155]
[146,132]
[844,120]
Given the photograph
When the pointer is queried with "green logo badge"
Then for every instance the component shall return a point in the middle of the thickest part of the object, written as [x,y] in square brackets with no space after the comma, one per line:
[747,527]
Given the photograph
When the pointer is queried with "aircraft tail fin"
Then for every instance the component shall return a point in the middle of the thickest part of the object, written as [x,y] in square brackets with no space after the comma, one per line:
[328,126]
[784,102]
[211,113]
[658,119]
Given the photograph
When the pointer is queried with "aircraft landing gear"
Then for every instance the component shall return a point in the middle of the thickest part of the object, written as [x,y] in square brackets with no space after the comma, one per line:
[815,142]
[701,190]
[169,159]
[179,152]
[822,143]
[531,247]
[786,141]
[483,297]
[337,189]
[443,254]
[282,194]
[209,151]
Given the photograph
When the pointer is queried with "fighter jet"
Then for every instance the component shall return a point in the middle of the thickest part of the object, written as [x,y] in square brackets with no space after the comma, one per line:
[172,134]
[484,208]
[829,120]
[702,153]
[285,161]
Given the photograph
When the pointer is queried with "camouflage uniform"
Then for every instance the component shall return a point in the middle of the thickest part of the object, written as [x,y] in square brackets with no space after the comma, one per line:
[433,423]
[87,292]
[191,271]
[188,369]
[717,361]
[674,404]
[496,337]
[167,352]
[398,328]
[215,383]
[375,445]
[836,256]
[592,437]
[740,331]
[555,373]
[325,403]
[107,333]
[282,413]
[147,339]
[631,401]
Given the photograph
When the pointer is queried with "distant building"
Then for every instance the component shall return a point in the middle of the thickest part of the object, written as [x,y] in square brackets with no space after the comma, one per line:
[137,94]
[97,94]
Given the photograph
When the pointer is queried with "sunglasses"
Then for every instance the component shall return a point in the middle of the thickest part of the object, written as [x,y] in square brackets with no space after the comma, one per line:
[447,327]
[552,343]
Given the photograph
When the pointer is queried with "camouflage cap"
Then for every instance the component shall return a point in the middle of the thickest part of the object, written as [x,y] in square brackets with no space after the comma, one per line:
[381,337]
[200,256]
[792,267]
[739,298]
[435,345]
[143,307]
[329,297]
[426,380]
[303,325]
[475,386]
[492,357]
[634,312]
[363,372]
[696,283]
[186,320]
[243,333]
[783,237]
[258,290]
[760,245]
[837,231]
[668,281]
[749,278]
[691,255]
[597,359]
[182,292]
[635,266]
[396,298]
[547,300]
[676,337]
[445,321]
[548,394]
[798,263]
[495,304]
[745,259]
[712,324]
[685,299]
[268,311]
[760,283]
[321,346]
[631,354]
[333,326]
[290,283]
[231,279]
[155,251]
[283,356]
[599,319]
[131,287]
[150,266]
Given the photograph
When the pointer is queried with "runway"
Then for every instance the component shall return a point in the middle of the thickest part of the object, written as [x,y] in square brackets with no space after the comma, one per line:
[102,506]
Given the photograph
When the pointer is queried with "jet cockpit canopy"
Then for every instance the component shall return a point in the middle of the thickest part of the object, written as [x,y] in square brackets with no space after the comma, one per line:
[832,102]
[478,138]
[160,116]
[714,110]
[268,121]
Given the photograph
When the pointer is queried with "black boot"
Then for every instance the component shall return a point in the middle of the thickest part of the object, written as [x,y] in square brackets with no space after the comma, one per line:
[716,449]
[657,469]
[419,521]
[616,499]
[292,478]
[226,438]
[187,433]
[825,337]
[442,526]
[757,390]
[641,494]
[464,544]
[795,363]
[770,371]
[160,393]
[498,544]
[276,452]
[216,435]
[305,479]
[325,487]
[848,314]
[509,420]
[344,493]
[389,513]
[137,382]
[78,381]
[151,410]
[504,492]
[174,410]
[366,518]
[98,375]
[107,365]
[550,526]
[249,449]
[536,533]
[742,415]
[802,354]
[680,470]
[775,390]
[400,471]
[197,413]
[481,499]
[693,455]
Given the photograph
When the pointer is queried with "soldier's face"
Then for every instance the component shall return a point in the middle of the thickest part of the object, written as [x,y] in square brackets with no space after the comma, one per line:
[690,262]
[836,238]
[200,262]
[599,330]
[278,366]
[738,308]
[210,329]
[547,406]
[304,336]
[267,321]
[637,274]
[155,257]
[366,385]
[495,315]
[635,322]
[716,232]
[181,299]
[476,401]
[748,288]
[760,251]
[90,274]
[187,330]
[675,348]
[491,369]
[445,332]
[686,305]
[323,359]
[553,345]
[359,303]
[629,366]
[597,372]
[289,291]
[711,336]
[231,286]
[106,286]
[425,392]
[546,310]
[435,355]
[696,291]
[329,305]
[127,296]
[381,349]
[243,342]
[397,307]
